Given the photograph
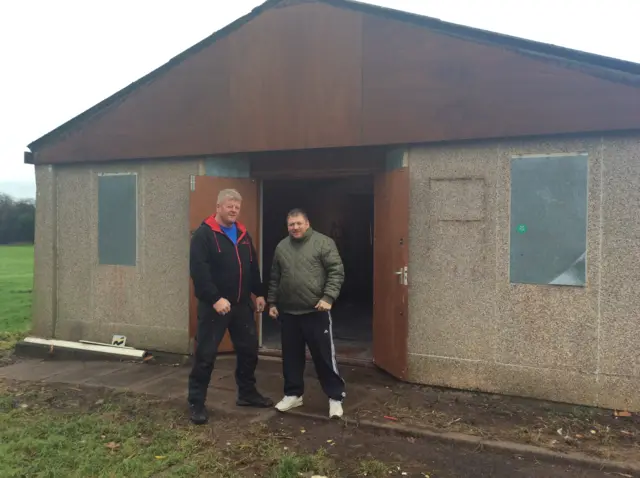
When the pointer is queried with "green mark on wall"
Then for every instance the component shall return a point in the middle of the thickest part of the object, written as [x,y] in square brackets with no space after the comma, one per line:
[522,228]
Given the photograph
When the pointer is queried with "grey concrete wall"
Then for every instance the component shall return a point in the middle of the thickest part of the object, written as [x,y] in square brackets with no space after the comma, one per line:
[470,328]
[44,280]
[147,303]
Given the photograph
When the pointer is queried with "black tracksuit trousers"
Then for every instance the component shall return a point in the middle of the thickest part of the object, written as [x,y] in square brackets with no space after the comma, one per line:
[315,331]
[211,329]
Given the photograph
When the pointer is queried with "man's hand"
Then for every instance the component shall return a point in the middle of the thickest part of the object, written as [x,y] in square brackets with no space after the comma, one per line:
[260,304]
[222,307]
[273,312]
[323,306]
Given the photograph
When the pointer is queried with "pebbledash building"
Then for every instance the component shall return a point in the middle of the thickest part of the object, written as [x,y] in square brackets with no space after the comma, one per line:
[483,190]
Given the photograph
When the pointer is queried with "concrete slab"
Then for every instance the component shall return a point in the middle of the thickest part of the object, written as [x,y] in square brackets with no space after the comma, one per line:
[87,371]
[222,399]
[171,382]
[265,364]
[175,384]
[131,377]
[222,379]
[18,371]
[140,385]
[172,386]
[37,370]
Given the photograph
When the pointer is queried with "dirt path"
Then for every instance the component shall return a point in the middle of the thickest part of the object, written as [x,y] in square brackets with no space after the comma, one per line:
[269,445]
[419,457]
[375,397]
[559,427]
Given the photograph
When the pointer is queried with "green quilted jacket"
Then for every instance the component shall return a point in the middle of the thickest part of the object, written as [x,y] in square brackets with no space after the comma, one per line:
[303,272]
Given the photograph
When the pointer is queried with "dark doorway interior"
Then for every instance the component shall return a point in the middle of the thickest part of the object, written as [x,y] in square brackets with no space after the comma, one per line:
[342,209]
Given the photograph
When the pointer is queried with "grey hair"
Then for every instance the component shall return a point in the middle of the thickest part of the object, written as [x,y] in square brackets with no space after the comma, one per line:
[228,194]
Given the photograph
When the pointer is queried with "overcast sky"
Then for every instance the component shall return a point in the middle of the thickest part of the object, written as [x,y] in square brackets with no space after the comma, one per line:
[60,57]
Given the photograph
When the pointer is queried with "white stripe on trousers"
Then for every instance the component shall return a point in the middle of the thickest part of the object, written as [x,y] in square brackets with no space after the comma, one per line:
[334,362]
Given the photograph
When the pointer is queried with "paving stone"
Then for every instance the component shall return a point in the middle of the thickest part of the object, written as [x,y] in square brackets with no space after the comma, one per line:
[223,379]
[171,382]
[131,376]
[36,370]
[172,386]
[87,371]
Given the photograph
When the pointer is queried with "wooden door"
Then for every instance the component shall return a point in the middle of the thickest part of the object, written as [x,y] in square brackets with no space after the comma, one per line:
[202,203]
[390,261]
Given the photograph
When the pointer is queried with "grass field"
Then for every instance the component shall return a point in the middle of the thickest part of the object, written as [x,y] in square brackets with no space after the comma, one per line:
[16,283]
[65,432]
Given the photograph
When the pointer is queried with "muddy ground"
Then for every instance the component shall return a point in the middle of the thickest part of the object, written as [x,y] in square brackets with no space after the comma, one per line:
[251,449]
[565,428]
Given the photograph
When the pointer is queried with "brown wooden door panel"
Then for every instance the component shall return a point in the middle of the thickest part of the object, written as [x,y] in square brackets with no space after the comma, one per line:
[202,203]
[390,249]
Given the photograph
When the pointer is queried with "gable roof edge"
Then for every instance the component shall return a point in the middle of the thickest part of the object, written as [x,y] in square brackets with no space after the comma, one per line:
[176,60]
[612,69]
[546,51]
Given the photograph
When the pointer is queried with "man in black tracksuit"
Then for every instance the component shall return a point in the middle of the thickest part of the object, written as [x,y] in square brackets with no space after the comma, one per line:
[306,277]
[225,272]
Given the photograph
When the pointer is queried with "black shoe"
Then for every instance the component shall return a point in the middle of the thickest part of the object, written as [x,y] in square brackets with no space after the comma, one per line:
[256,401]
[199,414]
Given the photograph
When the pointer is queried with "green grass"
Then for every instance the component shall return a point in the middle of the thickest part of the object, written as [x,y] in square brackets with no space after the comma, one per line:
[48,445]
[103,443]
[292,465]
[61,431]
[16,284]
[373,468]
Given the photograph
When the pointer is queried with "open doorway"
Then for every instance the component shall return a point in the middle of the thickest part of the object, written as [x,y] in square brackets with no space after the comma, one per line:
[343,209]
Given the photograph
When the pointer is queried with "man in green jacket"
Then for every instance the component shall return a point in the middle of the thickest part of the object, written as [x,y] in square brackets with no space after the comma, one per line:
[306,277]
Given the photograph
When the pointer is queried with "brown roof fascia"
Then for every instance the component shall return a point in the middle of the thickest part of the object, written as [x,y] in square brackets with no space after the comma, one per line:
[612,69]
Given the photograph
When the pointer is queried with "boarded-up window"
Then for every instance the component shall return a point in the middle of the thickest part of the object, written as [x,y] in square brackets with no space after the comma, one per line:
[549,219]
[117,219]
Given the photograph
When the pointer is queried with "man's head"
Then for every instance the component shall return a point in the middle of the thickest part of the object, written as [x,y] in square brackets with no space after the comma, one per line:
[228,206]
[297,223]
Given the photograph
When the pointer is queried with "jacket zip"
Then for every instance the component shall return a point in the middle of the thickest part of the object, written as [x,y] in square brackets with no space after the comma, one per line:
[239,267]
[239,261]
[238,239]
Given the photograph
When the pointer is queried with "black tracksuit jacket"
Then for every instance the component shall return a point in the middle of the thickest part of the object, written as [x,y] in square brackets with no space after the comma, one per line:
[219,268]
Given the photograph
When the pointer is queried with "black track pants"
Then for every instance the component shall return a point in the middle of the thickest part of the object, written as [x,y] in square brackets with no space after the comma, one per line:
[211,329]
[315,331]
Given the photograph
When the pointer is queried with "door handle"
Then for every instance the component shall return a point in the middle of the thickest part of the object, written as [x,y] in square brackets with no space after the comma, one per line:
[402,272]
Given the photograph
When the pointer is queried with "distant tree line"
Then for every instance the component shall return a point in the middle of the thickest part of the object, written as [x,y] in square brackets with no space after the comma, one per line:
[17,220]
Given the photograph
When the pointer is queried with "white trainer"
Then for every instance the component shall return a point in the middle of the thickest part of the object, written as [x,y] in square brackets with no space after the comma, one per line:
[289,402]
[335,409]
